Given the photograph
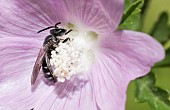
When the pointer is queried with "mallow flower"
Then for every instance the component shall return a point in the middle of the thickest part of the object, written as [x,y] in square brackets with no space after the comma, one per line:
[92,69]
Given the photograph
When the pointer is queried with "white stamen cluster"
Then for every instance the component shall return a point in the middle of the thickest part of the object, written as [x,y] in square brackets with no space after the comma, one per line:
[66,60]
[74,56]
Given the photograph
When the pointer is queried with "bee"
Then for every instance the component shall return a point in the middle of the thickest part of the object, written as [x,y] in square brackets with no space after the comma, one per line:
[50,43]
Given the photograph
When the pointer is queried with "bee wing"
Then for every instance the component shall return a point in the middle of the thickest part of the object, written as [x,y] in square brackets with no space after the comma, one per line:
[37,65]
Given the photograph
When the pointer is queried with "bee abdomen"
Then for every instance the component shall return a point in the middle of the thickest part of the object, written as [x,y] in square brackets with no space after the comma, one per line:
[46,71]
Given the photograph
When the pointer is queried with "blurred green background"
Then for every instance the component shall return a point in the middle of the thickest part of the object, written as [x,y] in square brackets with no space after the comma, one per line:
[151,15]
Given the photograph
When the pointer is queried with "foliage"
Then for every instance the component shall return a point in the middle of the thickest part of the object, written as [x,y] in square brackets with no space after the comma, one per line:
[161,29]
[131,17]
[155,96]
[146,90]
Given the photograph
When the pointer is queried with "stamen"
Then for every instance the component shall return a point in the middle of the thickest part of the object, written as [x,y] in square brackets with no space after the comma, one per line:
[71,57]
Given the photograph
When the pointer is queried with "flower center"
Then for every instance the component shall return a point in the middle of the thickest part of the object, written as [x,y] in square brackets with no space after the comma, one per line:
[74,56]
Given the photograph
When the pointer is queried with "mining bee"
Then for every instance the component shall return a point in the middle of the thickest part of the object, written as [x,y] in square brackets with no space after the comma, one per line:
[50,43]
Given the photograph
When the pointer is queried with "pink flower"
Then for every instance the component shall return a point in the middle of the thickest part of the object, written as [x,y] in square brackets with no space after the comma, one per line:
[109,58]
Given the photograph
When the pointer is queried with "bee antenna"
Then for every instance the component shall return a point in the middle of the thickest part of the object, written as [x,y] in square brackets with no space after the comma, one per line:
[57,24]
[45,29]
[49,27]
[68,32]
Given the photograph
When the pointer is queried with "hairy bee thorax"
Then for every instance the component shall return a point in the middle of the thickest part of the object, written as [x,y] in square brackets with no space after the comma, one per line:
[74,56]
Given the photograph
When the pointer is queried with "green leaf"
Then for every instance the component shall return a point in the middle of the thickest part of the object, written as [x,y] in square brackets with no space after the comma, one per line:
[131,10]
[167,45]
[146,91]
[161,30]
[166,61]
[131,16]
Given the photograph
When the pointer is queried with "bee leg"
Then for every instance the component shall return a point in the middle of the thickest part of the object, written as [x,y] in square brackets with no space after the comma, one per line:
[65,40]
[68,32]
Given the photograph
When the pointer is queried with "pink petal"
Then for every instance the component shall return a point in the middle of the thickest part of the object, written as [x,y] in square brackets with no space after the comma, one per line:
[124,56]
[102,88]
[17,59]
[71,95]
[25,18]
[17,55]
[19,95]
[134,52]
[109,84]
[114,8]
[96,14]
